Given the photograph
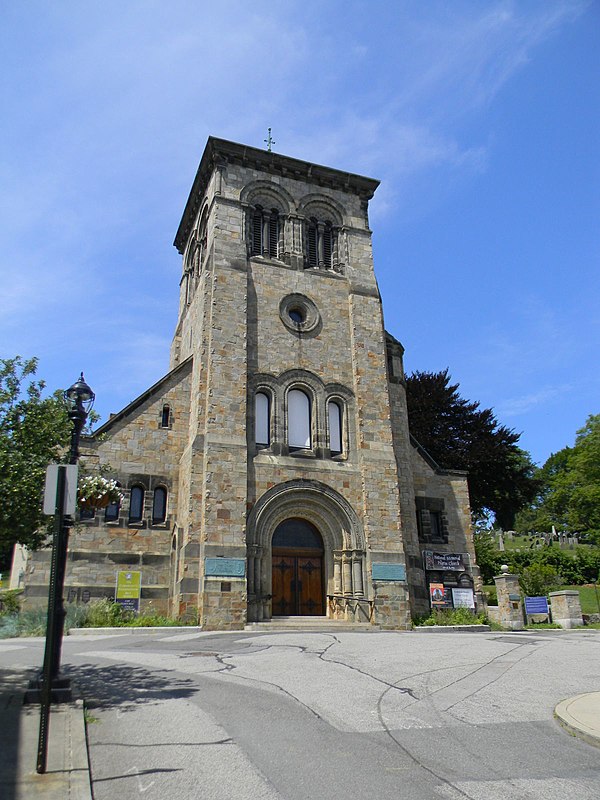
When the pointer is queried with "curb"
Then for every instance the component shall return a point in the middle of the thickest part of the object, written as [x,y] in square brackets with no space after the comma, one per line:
[125,630]
[452,629]
[579,716]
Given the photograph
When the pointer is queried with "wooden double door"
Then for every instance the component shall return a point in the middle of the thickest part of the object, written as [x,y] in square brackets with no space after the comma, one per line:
[297,582]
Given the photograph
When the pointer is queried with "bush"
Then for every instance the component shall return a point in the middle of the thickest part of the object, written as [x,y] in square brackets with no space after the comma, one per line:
[491,595]
[33,622]
[539,579]
[9,602]
[106,613]
[451,616]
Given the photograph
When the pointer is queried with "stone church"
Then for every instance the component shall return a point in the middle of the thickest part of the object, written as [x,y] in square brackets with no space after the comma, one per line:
[271,472]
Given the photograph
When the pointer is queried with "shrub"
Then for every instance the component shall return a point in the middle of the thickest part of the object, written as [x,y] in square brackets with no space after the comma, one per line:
[452,616]
[106,613]
[539,579]
[9,602]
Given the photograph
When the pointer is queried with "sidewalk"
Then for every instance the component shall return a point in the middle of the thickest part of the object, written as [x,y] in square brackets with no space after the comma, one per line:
[580,715]
[68,774]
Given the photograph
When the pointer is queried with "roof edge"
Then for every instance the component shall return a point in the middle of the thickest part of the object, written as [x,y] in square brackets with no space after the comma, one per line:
[430,460]
[139,400]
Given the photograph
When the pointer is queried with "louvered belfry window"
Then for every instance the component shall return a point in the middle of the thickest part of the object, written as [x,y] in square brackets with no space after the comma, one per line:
[257,225]
[327,246]
[319,244]
[273,234]
[312,244]
[264,233]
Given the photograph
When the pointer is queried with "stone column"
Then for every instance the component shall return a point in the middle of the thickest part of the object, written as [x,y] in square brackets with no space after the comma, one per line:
[566,608]
[337,574]
[347,574]
[510,602]
[357,574]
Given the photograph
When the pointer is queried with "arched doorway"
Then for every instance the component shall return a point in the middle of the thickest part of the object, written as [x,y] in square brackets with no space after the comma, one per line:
[297,569]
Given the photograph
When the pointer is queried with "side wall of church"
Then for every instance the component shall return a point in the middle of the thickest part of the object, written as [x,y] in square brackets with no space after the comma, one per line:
[140,452]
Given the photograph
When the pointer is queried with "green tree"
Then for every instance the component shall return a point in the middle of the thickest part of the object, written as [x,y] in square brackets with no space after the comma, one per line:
[34,431]
[569,487]
[459,434]
[489,558]
[539,579]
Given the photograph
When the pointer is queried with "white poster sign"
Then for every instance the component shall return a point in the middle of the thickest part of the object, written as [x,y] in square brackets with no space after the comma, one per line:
[463,598]
[51,487]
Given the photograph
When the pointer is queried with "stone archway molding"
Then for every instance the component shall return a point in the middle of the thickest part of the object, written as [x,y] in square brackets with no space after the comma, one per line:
[314,501]
[334,518]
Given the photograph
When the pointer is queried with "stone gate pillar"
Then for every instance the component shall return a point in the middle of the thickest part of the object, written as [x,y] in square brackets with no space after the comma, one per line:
[510,602]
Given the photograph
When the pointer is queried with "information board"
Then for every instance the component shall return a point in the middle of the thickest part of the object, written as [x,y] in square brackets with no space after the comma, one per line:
[536,605]
[129,590]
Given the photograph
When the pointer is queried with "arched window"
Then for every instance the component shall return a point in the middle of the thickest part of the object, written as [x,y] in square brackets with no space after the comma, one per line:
[159,505]
[299,427]
[334,414]
[262,419]
[136,504]
[264,233]
[111,513]
[165,417]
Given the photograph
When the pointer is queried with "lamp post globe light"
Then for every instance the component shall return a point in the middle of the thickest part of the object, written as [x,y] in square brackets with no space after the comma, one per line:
[79,399]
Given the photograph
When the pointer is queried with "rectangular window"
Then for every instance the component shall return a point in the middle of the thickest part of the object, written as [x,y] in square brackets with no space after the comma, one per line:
[261,417]
[335,428]
[298,420]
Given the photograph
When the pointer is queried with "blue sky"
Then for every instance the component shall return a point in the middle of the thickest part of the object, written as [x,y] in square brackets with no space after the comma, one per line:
[480,119]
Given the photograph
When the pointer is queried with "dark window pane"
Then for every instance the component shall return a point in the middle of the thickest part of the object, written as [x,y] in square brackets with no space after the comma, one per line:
[297,533]
[165,417]
[159,506]
[112,512]
[136,504]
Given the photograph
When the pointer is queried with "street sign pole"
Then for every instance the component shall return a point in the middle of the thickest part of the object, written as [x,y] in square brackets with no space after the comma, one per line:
[54,601]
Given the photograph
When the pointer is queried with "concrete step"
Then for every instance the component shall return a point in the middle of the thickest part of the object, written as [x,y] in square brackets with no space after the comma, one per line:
[310,623]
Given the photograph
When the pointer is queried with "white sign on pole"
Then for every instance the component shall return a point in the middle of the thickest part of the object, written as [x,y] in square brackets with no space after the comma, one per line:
[51,487]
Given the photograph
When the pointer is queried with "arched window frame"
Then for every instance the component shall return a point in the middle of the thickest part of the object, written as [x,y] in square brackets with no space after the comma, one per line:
[135,492]
[165,417]
[262,418]
[300,436]
[159,505]
[336,415]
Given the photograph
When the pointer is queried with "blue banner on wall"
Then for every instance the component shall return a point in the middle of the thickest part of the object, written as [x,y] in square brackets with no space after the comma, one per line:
[225,567]
[389,572]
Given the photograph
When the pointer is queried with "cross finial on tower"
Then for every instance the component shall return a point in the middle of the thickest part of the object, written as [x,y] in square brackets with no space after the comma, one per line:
[269,142]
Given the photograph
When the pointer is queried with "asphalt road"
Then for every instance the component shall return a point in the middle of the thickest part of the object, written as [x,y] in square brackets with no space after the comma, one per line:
[324,715]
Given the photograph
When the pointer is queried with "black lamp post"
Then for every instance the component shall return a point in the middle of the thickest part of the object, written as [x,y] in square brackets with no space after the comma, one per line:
[79,399]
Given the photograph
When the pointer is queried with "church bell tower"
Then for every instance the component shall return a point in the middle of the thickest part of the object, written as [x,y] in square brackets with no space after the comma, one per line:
[288,491]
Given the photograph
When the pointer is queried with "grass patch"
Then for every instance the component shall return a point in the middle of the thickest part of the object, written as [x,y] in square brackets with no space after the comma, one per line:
[535,626]
[587,597]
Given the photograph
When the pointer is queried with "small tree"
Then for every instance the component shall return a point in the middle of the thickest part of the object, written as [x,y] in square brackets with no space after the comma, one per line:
[539,579]
[34,431]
